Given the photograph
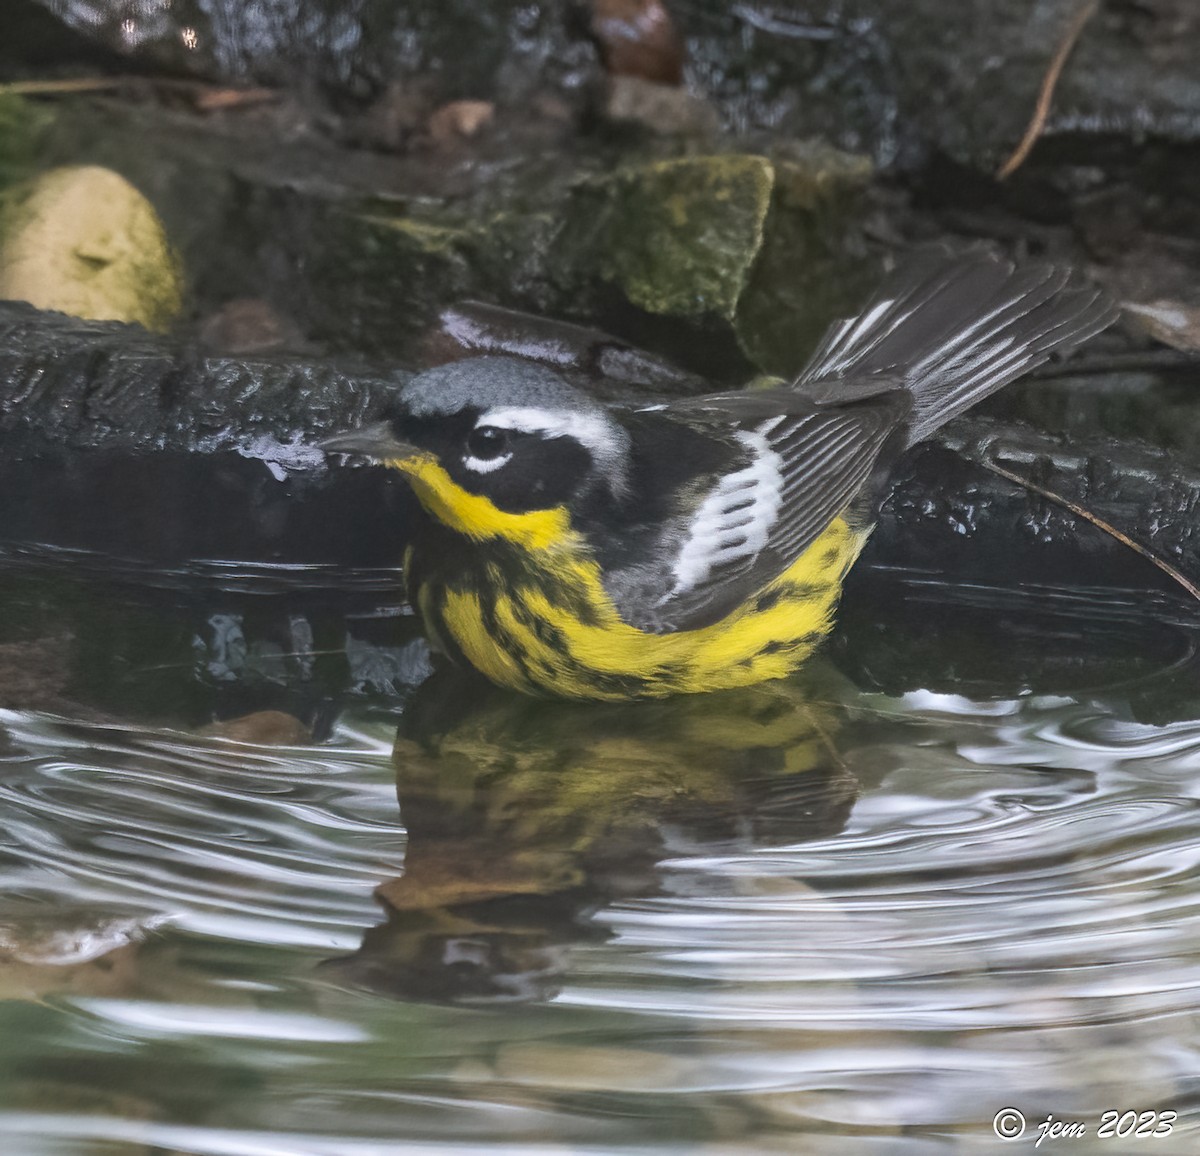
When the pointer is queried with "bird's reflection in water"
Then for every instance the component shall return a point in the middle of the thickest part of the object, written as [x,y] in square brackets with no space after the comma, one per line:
[524,817]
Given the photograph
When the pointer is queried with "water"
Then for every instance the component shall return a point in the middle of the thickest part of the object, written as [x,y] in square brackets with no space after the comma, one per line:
[800,918]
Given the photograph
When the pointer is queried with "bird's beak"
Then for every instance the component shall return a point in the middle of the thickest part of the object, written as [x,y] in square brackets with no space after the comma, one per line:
[373,441]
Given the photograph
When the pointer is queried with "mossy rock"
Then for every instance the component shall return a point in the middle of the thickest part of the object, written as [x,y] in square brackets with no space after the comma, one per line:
[82,240]
[677,237]
[23,127]
[764,246]
[739,250]
[377,279]
[811,267]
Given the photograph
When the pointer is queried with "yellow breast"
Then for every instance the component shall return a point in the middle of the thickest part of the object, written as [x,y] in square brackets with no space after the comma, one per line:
[549,627]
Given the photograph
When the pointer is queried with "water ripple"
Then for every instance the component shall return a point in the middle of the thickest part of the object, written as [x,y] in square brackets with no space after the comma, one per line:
[1010,915]
[195,828]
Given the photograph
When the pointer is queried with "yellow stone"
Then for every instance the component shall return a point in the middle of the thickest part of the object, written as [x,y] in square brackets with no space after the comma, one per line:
[84,241]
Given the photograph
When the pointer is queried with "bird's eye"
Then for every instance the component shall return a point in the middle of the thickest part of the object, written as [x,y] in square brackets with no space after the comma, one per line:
[487,442]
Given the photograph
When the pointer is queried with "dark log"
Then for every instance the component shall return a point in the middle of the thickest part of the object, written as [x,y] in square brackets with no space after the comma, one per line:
[80,385]
[118,441]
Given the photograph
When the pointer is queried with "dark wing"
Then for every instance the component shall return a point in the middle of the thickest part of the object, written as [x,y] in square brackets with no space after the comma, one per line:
[953,330]
[793,468]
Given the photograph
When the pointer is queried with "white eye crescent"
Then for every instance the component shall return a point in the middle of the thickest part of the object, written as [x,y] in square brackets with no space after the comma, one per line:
[487,449]
[485,466]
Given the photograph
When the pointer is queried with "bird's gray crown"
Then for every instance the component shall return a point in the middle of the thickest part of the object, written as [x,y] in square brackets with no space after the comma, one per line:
[487,382]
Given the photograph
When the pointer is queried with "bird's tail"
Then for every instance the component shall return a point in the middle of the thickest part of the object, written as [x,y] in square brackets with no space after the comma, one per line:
[954,330]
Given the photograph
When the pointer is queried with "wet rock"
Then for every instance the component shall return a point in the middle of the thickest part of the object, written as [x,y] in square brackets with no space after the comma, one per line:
[78,953]
[354,48]
[934,579]
[1174,323]
[660,108]
[235,433]
[84,241]
[892,81]
[813,264]
[248,325]
[679,236]
[896,81]
[35,41]
[763,246]
[34,674]
[638,38]
[379,274]
[392,119]
[460,119]
[363,252]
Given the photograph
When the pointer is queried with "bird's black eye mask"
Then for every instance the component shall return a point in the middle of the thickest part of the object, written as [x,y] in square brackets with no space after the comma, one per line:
[518,471]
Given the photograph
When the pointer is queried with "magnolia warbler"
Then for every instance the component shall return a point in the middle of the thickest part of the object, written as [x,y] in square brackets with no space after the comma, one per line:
[587,551]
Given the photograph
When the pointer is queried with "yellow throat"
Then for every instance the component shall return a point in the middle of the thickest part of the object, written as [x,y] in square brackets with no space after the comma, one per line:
[473,515]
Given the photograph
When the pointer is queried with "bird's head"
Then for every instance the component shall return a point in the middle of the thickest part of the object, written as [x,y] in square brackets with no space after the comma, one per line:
[492,445]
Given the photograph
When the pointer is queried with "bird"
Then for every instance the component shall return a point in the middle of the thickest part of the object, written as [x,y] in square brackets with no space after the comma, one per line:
[575,549]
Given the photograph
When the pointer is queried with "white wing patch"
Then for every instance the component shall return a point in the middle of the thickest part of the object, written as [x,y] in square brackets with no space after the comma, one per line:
[733,523]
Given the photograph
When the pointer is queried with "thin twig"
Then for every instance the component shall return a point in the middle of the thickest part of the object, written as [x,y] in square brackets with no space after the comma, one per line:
[1148,361]
[206,97]
[1099,523]
[216,99]
[1049,82]
[63,87]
